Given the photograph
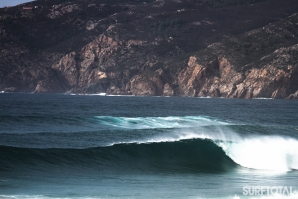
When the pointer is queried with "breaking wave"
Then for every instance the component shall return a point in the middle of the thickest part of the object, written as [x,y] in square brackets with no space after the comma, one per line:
[181,152]
[273,153]
[182,156]
[158,122]
[187,143]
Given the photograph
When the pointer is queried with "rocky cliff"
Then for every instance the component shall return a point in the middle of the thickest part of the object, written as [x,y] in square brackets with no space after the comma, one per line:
[244,67]
[165,48]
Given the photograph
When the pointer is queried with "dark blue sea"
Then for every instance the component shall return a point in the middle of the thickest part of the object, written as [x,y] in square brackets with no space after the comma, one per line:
[89,146]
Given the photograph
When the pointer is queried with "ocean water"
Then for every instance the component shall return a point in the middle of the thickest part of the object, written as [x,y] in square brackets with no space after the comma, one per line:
[71,146]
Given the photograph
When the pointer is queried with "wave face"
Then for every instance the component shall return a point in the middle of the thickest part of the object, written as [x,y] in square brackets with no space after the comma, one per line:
[182,156]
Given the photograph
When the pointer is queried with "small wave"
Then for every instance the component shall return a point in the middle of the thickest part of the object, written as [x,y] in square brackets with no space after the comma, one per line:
[95,94]
[207,97]
[158,122]
[263,98]
[121,95]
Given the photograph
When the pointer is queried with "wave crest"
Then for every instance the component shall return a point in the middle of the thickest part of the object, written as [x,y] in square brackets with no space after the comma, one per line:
[158,122]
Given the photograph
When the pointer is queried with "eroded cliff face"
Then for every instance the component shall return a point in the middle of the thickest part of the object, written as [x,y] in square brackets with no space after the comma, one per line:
[154,84]
[219,78]
[86,71]
[80,69]
[104,65]
[97,68]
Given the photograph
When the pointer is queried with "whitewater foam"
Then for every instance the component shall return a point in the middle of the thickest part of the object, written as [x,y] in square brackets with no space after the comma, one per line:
[158,122]
[273,153]
[263,98]
[175,137]
[79,94]
[275,196]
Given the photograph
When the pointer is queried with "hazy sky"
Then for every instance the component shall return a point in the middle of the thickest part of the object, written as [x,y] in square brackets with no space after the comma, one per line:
[12,2]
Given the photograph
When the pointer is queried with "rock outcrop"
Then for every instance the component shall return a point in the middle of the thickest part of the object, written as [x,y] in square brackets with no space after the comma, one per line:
[97,66]
[141,85]
[223,80]
[293,96]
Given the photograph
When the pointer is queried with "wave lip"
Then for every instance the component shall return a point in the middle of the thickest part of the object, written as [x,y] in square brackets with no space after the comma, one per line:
[157,122]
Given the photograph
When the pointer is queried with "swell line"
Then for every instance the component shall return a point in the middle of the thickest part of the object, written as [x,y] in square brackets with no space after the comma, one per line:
[157,122]
[182,156]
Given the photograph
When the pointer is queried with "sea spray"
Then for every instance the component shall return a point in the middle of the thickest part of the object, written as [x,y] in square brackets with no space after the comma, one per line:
[274,153]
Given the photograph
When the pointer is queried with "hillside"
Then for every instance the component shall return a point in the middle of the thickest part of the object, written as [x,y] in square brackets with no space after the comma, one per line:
[228,48]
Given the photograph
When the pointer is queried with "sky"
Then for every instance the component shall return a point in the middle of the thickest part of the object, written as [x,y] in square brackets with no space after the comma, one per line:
[12,2]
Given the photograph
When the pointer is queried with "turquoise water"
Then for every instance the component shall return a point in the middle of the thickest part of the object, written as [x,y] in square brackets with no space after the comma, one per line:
[68,146]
